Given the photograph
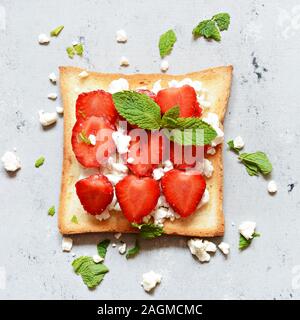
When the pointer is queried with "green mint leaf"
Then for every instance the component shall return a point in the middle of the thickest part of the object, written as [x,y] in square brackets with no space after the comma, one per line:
[55,32]
[166,43]
[244,243]
[78,49]
[51,211]
[207,29]
[82,136]
[169,118]
[39,162]
[232,147]
[71,52]
[74,219]
[258,159]
[251,169]
[138,109]
[149,230]
[133,251]
[222,20]
[91,273]
[102,248]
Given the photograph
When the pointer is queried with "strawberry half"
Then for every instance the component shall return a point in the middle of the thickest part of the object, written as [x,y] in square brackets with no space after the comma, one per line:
[185,97]
[137,196]
[87,154]
[97,103]
[95,193]
[183,190]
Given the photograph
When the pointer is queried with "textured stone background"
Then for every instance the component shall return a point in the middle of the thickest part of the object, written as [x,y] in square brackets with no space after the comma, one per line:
[262,44]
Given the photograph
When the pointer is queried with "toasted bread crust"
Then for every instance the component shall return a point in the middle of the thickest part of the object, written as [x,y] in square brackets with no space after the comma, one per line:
[207,221]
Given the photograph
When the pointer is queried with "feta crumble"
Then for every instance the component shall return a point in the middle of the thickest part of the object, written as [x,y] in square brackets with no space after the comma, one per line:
[47,118]
[247,228]
[43,39]
[224,247]
[124,62]
[103,216]
[92,139]
[67,244]
[164,66]
[121,36]
[83,74]
[272,187]
[97,258]
[167,165]
[211,151]
[122,248]
[238,142]
[52,96]
[201,249]
[156,86]
[161,214]
[208,168]
[213,120]
[150,280]
[121,141]
[10,161]
[52,77]
[204,200]
[130,160]
[158,173]
[118,85]
[197,85]
[60,110]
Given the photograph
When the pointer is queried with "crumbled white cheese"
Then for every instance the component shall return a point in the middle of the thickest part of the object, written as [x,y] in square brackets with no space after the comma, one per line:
[114,178]
[201,249]
[122,248]
[164,66]
[167,165]
[10,161]
[206,167]
[204,200]
[124,62]
[103,216]
[67,244]
[83,74]
[115,171]
[118,85]
[197,85]
[213,120]
[92,139]
[121,36]
[97,258]
[52,77]
[224,247]
[113,245]
[52,96]
[158,173]
[161,214]
[272,186]
[156,86]
[150,280]
[60,110]
[247,228]
[211,151]
[118,235]
[130,160]
[47,118]
[43,39]
[238,142]
[121,140]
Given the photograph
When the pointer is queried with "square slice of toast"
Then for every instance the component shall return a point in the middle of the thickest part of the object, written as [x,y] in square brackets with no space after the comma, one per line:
[208,221]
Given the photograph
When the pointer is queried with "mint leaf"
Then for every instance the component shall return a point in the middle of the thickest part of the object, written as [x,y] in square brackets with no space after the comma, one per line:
[91,273]
[102,247]
[82,136]
[78,49]
[74,219]
[55,32]
[166,43]
[251,169]
[39,162]
[169,118]
[222,20]
[232,147]
[149,230]
[244,243]
[207,29]
[70,52]
[138,109]
[51,211]
[258,159]
[133,251]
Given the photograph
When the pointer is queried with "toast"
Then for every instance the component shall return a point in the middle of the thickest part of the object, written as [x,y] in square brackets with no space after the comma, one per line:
[208,221]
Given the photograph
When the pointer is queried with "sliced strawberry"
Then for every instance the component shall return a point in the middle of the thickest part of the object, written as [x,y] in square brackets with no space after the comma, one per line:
[137,196]
[183,190]
[95,193]
[146,152]
[92,156]
[148,93]
[185,97]
[96,103]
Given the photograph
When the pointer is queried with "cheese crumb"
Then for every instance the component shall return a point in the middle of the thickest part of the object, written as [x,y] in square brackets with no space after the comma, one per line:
[83,74]
[52,77]
[238,142]
[52,96]
[121,141]
[121,36]
[47,118]
[201,249]
[122,248]
[150,280]
[97,258]
[158,173]
[247,228]
[103,216]
[43,39]
[164,66]
[124,62]
[211,151]
[60,110]
[224,247]
[67,244]
[272,186]
[92,139]
[130,160]
[118,85]
[10,161]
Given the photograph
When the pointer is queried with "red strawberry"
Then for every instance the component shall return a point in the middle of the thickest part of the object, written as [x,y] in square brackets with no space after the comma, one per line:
[137,196]
[95,193]
[91,156]
[185,97]
[183,190]
[146,152]
[148,93]
[96,103]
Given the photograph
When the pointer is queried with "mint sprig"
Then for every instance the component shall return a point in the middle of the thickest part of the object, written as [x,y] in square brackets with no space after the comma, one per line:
[166,43]
[102,247]
[75,49]
[232,147]
[74,219]
[51,211]
[39,162]
[83,137]
[244,243]
[133,251]
[55,32]
[256,162]
[149,230]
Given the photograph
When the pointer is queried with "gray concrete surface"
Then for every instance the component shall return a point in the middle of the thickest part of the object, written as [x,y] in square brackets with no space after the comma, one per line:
[262,44]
